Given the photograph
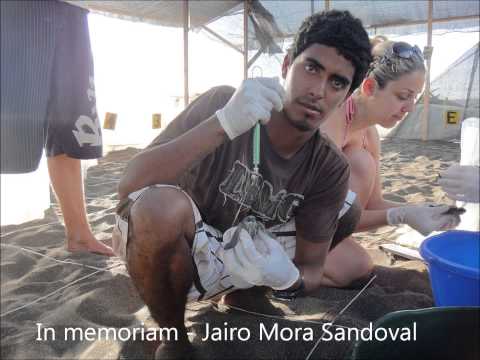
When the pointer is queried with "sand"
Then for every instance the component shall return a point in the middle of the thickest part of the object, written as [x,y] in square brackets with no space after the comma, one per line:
[43,286]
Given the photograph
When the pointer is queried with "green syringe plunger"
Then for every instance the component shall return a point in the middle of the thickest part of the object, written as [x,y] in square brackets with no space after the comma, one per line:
[256,148]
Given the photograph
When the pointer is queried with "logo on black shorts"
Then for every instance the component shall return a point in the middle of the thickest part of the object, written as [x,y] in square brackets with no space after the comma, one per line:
[88,128]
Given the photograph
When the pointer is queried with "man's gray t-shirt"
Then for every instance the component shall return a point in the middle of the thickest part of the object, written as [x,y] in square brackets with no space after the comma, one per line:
[310,186]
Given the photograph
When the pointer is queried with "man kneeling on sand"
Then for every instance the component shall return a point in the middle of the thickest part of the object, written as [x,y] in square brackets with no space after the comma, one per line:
[196,220]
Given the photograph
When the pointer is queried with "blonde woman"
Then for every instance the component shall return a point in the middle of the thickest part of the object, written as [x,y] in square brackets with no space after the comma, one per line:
[393,83]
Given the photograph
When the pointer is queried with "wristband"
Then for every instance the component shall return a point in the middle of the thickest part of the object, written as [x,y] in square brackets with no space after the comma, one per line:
[290,294]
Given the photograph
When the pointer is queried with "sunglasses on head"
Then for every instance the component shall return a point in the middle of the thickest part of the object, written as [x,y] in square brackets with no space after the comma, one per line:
[406,51]
[400,50]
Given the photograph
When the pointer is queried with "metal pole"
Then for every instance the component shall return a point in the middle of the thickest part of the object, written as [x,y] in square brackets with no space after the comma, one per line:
[186,26]
[426,97]
[254,58]
[222,39]
[312,7]
[472,76]
[246,10]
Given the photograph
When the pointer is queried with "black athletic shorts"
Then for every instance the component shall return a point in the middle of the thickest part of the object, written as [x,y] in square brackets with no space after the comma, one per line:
[47,85]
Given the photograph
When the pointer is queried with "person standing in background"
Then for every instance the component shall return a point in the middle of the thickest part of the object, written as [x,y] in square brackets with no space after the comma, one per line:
[48,101]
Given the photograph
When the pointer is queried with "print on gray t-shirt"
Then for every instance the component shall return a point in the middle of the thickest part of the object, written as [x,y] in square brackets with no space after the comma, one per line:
[250,191]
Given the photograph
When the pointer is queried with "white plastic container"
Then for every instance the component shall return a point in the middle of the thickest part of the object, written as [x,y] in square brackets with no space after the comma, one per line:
[25,197]
[470,156]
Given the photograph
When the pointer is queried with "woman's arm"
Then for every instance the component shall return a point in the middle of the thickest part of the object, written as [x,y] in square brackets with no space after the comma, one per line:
[421,217]
[365,165]
[376,200]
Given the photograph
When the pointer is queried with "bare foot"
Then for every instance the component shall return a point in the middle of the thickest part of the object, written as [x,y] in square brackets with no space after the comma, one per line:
[91,245]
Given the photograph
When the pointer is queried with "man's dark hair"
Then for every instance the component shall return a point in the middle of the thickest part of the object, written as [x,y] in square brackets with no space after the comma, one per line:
[340,30]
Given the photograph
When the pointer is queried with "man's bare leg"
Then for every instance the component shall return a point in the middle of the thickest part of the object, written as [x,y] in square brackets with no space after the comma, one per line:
[66,178]
[160,264]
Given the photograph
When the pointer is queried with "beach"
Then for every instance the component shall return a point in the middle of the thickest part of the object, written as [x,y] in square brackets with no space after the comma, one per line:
[58,305]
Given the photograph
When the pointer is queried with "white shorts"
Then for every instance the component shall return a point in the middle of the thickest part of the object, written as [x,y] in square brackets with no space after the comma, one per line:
[209,278]
[349,200]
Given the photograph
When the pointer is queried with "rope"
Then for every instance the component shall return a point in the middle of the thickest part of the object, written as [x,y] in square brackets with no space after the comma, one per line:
[103,183]
[102,178]
[55,291]
[340,314]
[52,258]
[98,270]
[276,317]
[29,228]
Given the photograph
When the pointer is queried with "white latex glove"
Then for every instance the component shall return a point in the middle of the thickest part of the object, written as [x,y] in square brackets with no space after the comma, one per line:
[253,101]
[461,182]
[234,266]
[423,218]
[260,262]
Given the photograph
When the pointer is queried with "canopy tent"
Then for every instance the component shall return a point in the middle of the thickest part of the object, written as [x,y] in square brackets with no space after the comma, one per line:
[454,96]
[459,84]
[269,23]
[163,12]
[400,17]
[226,16]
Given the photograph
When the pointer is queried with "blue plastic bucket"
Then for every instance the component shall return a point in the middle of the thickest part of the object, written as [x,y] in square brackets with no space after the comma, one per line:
[453,259]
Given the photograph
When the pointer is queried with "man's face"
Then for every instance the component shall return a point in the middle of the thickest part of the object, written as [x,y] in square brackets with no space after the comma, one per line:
[316,82]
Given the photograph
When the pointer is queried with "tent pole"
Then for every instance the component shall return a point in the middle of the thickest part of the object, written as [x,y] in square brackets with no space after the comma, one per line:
[222,39]
[186,25]
[246,10]
[472,76]
[426,97]
[255,57]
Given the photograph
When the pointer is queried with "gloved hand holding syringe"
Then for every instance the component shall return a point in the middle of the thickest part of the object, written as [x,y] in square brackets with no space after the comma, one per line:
[251,104]
[252,256]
